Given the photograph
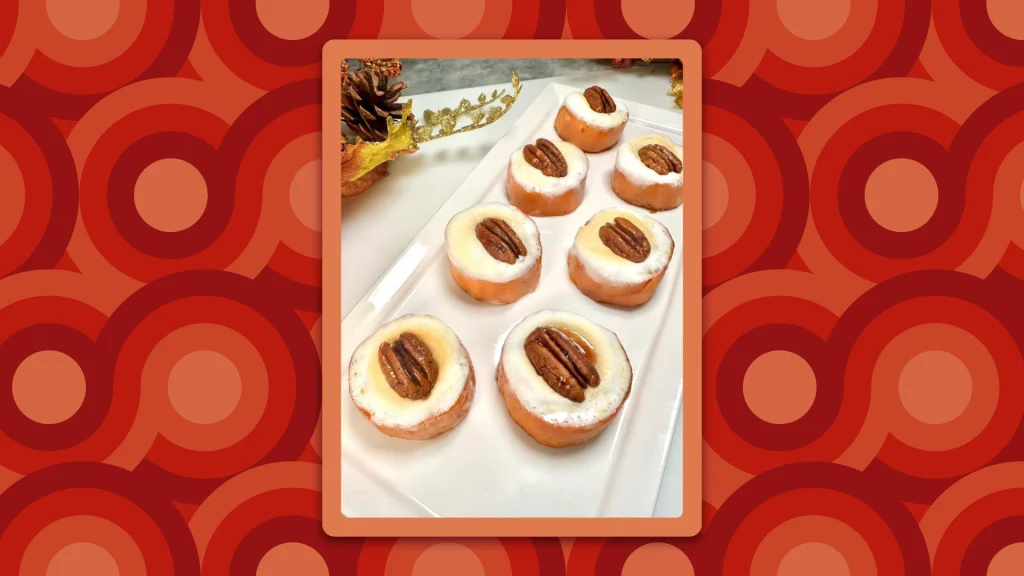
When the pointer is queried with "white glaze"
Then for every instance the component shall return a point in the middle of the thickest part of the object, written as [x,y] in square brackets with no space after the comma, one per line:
[627,161]
[578,106]
[609,268]
[467,253]
[372,393]
[533,180]
[535,394]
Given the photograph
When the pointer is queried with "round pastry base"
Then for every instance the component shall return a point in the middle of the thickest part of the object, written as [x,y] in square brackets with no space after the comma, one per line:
[549,434]
[539,204]
[629,295]
[498,292]
[656,197]
[584,136]
[439,424]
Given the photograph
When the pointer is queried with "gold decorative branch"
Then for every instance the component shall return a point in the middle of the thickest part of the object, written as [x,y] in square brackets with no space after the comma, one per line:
[363,163]
[446,119]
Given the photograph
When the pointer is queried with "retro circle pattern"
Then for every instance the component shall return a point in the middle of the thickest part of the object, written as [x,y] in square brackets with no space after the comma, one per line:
[159,241]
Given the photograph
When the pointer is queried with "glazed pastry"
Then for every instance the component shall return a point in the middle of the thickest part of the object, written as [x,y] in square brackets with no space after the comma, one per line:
[593,120]
[563,377]
[412,378]
[619,257]
[547,178]
[494,252]
[649,172]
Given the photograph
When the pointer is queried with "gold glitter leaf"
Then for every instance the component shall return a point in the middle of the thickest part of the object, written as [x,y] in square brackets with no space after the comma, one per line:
[478,117]
[481,98]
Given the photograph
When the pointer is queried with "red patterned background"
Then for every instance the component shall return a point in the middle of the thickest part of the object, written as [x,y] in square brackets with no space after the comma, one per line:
[159,245]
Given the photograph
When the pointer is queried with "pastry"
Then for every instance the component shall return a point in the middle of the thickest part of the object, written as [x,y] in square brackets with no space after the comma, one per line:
[563,377]
[494,252]
[547,178]
[412,378]
[593,119]
[619,257]
[649,172]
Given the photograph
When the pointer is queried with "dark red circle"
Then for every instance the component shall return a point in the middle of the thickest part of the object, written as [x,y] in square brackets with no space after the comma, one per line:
[99,387]
[121,195]
[738,415]
[853,206]
[989,541]
[984,34]
[280,51]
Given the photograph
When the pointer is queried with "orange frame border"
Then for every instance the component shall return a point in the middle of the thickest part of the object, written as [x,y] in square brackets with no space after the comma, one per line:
[334,523]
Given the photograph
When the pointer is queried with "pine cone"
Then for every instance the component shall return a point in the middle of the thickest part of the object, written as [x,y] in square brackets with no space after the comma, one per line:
[367,102]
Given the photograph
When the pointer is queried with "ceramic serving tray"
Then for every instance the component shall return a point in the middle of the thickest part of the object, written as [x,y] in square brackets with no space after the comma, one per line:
[487,466]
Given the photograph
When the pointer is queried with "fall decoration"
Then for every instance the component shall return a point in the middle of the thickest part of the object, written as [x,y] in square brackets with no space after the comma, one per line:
[367,101]
[676,73]
[676,89]
[365,162]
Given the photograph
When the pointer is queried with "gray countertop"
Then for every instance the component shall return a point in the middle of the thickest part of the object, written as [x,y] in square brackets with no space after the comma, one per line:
[427,75]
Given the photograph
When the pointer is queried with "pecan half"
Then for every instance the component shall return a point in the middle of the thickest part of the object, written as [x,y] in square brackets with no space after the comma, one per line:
[546,157]
[561,363]
[408,366]
[599,99]
[500,240]
[660,159]
[626,240]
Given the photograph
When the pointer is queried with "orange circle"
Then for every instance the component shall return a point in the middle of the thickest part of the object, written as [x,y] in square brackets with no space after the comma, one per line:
[655,559]
[48,387]
[82,20]
[453,19]
[281,18]
[1007,562]
[12,201]
[901,195]
[304,194]
[656,20]
[170,194]
[1007,16]
[779,386]
[716,195]
[813,19]
[292,558]
[448,558]
[83,558]
[204,386]
[812,558]
[935,386]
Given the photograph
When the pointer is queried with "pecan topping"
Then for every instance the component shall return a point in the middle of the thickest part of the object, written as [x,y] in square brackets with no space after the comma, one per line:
[562,364]
[626,240]
[660,159]
[547,158]
[408,366]
[599,99]
[500,240]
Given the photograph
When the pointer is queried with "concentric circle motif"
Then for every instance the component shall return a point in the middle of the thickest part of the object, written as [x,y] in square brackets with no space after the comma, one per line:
[974,527]
[817,516]
[83,54]
[760,225]
[90,518]
[40,195]
[236,373]
[816,50]
[982,39]
[941,368]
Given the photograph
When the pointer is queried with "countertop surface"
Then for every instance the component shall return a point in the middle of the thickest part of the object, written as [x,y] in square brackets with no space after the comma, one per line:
[377,225]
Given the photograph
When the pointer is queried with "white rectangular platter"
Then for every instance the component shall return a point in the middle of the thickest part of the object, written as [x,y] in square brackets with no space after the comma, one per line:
[487,467]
